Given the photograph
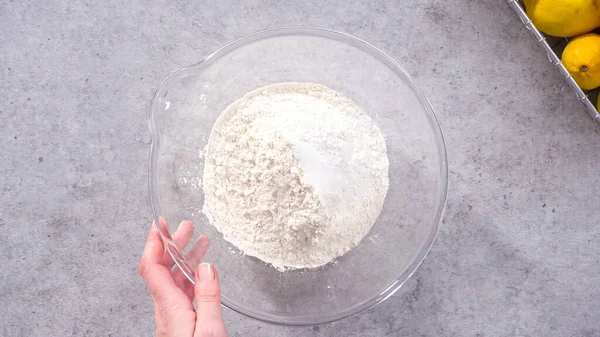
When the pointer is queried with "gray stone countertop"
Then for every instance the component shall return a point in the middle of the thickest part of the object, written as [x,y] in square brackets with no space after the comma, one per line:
[519,250]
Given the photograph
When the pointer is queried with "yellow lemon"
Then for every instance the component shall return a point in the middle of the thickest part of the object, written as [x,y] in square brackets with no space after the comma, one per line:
[581,57]
[564,18]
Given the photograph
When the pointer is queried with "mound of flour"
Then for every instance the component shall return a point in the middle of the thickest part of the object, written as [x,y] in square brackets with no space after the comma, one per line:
[295,174]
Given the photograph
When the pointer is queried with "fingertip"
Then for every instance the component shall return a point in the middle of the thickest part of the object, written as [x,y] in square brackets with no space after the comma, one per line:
[153,235]
[185,229]
[183,234]
[202,241]
[153,251]
[153,227]
[162,225]
[205,272]
[186,224]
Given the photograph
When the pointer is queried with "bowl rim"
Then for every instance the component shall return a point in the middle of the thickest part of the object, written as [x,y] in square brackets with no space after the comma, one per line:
[423,249]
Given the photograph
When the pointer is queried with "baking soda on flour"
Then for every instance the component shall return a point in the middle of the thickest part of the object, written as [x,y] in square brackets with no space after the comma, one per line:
[295,174]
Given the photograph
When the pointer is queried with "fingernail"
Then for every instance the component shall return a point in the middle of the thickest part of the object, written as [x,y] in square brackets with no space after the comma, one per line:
[206,272]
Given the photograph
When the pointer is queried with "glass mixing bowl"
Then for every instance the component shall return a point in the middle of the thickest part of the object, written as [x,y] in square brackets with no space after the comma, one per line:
[183,112]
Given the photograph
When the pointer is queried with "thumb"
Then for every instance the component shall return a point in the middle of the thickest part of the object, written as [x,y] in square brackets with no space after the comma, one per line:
[209,320]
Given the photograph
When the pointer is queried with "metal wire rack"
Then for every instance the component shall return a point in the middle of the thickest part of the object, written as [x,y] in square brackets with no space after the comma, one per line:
[553,47]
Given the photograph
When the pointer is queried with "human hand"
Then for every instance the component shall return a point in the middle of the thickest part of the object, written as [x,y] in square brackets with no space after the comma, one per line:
[173,294]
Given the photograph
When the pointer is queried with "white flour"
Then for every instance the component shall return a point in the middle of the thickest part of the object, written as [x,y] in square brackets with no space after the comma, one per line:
[295,174]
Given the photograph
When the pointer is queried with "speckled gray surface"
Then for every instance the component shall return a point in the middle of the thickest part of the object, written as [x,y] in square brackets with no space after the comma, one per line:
[518,253]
